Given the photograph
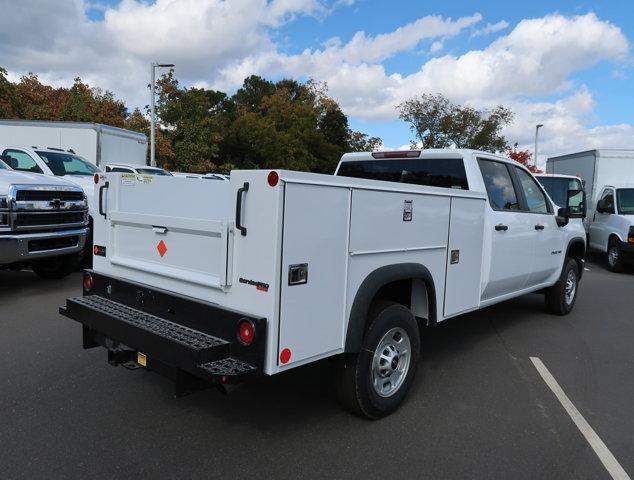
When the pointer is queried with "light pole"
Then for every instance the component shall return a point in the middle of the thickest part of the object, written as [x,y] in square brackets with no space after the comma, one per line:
[537,127]
[154,66]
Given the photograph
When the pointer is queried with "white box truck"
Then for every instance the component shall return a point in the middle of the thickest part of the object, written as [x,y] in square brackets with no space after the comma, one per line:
[597,168]
[97,143]
[276,269]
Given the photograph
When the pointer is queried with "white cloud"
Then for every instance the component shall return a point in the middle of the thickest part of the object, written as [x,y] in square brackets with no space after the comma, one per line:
[491,28]
[218,43]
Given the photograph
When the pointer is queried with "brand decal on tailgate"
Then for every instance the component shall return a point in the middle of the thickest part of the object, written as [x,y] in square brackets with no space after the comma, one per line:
[261,286]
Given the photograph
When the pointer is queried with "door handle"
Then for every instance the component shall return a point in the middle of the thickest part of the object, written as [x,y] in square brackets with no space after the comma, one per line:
[101,189]
[539,227]
[501,228]
[239,226]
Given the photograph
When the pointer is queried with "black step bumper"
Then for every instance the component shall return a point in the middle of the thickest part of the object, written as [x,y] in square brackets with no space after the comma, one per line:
[179,337]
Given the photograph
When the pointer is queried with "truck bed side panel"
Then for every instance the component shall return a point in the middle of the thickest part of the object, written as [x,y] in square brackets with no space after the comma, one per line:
[464,259]
[316,220]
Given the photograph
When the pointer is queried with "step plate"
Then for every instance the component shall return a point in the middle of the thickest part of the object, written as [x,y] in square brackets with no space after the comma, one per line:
[230,367]
[148,333]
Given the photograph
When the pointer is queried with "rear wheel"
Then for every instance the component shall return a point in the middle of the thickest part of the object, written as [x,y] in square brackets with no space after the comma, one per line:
[374,382]
[561,297]
[57,267]
[615,257]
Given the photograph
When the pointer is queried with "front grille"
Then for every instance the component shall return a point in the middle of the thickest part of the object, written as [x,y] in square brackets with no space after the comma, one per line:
[48,195]
[42,219]
[46,207]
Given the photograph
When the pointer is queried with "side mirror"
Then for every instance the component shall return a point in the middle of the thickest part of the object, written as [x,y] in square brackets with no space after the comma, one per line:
[562,217]
[600,207]
[576,203]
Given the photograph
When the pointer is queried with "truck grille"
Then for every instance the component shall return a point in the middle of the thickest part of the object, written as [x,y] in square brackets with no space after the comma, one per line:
[46,207]
[45,195]
[43,219]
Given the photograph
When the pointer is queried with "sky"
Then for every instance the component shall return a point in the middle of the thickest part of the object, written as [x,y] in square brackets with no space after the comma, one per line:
[565,64]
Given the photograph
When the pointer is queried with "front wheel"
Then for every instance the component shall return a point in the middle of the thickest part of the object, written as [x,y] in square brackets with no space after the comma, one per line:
[615,257]
[561,297]
[374,382]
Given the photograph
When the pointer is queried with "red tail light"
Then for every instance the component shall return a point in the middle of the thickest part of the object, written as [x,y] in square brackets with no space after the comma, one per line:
[96,178]
[246,332]
[88,282]
[273,178]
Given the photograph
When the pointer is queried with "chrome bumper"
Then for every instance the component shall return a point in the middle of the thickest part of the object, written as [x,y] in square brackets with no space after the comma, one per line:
[17,247]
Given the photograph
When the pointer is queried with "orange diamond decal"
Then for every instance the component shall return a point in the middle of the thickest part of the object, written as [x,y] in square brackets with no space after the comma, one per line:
[162,248]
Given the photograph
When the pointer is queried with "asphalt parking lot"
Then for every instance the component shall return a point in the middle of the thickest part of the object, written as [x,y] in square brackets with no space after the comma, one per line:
[478,409]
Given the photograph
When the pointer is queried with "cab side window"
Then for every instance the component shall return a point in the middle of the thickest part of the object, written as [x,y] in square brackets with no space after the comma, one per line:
[120,170]
[19,160]
[499,185]
[536,201]
[607,201]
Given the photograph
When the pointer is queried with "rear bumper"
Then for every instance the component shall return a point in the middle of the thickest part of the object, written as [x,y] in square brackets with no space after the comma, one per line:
[178,337]
[24,247]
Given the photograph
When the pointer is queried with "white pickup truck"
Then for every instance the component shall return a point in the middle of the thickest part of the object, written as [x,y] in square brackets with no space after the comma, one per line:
[612,225]
[215,281]
[43,223]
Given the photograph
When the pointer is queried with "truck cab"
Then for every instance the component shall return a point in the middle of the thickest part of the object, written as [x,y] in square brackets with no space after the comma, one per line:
[52,162]
[612,225]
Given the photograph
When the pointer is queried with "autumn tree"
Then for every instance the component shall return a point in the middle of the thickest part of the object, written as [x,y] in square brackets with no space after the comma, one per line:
[438,123]
[523,157]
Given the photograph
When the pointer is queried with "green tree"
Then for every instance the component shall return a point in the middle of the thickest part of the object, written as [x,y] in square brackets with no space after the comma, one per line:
[9,99]
[438,123]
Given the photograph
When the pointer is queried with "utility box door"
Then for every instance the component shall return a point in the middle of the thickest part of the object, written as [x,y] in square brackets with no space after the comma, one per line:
[464,255]
[316,237]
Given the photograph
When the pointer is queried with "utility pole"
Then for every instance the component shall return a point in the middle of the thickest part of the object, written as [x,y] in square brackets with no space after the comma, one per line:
[537,127]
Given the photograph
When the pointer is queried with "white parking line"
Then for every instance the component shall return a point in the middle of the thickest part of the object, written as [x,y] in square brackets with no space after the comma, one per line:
[609,462]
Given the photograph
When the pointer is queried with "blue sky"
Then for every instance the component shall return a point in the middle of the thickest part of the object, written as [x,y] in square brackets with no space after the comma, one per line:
[563,63]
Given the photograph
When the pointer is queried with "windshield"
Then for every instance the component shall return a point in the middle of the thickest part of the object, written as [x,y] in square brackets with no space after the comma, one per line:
[625,200]
[154,171]
[557,188]
[62,163]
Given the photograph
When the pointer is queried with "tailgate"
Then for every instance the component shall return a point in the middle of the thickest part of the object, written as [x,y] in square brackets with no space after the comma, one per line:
[173,227]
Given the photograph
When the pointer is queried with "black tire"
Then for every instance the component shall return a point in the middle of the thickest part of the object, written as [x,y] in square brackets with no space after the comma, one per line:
[615,257]
[558,298]
[354,379]
[55,268]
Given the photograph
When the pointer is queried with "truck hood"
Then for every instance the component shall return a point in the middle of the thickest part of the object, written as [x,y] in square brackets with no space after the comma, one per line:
[12,177]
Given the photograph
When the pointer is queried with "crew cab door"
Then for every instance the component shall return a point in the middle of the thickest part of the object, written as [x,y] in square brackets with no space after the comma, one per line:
[548,248]
[599,231]
[512,232]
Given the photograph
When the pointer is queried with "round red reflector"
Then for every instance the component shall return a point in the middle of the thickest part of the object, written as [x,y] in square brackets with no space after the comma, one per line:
[96,178]
[88,282]
[246,332]
[285,355]
[273,178]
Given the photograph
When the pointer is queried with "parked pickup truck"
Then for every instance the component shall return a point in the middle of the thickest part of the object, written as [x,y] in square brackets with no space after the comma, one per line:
[43,223]
[216,281]
[612,225]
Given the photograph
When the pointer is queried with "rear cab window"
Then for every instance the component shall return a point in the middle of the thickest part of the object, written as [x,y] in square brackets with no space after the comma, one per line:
[433,172]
